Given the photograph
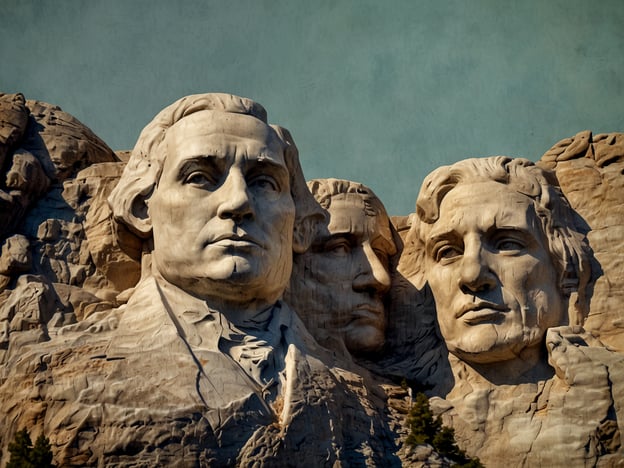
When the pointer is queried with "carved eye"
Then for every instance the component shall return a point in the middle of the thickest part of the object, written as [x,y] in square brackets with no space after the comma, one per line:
[339,246]
[264,183]
[200,179]
[510,245]
[447,253]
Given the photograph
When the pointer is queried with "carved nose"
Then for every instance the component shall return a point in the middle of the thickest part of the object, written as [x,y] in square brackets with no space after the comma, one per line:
[373,274]
[236,201]
[475,275]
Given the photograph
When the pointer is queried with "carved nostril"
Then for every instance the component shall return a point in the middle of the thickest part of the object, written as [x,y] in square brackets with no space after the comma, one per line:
[373,293]
[475,288]
[240,216]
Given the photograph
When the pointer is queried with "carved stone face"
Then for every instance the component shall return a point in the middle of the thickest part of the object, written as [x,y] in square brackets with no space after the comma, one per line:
[345,275]
[488,266]
[222,214]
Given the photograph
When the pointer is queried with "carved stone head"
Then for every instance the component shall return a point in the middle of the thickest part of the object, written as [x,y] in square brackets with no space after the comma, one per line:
[338,286]
[216,197]
[498,245]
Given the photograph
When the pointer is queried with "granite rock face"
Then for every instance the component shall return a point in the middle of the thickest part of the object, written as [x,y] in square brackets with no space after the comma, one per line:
[590,170]
[513,269]
[45,259]
[123,341]
[148,314]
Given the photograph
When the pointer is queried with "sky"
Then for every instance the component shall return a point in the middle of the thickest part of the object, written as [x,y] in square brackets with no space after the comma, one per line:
[380,92]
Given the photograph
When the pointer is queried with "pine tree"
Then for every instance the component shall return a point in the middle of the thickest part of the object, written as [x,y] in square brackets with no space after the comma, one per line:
[24,455]
[20,450]
[41,454]
[425,429]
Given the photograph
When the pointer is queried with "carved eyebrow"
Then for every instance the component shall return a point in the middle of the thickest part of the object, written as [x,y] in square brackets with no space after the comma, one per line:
[218,165]
[523,234]
[210,162]
[338,234]
[264,163]
[434,239]
[525,237]
[320,241]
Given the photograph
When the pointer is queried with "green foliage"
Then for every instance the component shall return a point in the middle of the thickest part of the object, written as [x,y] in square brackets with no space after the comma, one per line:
[42,452]
[20,449]
[24,455]
[425,429]
[444,442]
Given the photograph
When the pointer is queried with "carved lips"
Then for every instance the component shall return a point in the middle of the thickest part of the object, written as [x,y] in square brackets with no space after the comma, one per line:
[371,313]
[231,239]
[479,312]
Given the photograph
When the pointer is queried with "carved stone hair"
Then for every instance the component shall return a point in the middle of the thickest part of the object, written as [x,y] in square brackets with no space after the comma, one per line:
[144,168]
[324,190]
[567,245]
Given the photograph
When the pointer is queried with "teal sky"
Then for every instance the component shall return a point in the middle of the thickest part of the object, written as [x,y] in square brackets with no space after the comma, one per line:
[380,92]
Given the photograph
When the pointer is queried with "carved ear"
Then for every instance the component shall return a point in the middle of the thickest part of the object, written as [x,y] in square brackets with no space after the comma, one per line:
[138,216]
[133,227]
[412,261]
[129,202]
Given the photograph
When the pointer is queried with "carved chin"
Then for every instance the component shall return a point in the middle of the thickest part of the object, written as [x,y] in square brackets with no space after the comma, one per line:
[233,268]
[364,339]
[485,352]
[500,354]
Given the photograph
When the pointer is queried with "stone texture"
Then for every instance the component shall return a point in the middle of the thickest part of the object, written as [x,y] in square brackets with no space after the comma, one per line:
[348,266]
[512,275]
[122,343]
[13,120]
[204,364]
[60,142]
[589,168]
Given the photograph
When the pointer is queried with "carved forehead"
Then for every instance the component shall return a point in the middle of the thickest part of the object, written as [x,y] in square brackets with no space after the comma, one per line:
[520,174]
[351,209]
[349,215]
[222,129]
[486,204]
[354,199]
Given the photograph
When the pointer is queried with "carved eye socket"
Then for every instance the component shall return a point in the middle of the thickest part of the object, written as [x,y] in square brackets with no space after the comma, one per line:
[200,179]
[447,253]
[339,246]
[264,183]
[510,245]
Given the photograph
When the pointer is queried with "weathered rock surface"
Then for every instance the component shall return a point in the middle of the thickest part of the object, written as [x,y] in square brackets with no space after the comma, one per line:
[172,378]
[120,363]
[45,226]
[590,170]
[571,419]
[557,402]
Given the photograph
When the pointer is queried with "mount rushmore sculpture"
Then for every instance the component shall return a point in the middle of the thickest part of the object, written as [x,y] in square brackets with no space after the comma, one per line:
[196,303]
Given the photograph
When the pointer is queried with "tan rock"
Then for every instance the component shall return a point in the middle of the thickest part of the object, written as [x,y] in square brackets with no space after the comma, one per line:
[340,286]
[115,270]
[205,364]
[508,264]
[62,143]
[142,320]
[13,121]
[28,308]
[15,255]
[589,169]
